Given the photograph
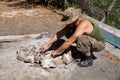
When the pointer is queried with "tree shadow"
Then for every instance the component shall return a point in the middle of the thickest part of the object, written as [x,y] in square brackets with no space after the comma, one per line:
[25,4]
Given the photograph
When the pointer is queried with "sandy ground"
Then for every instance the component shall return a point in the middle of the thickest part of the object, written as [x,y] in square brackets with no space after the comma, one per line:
[21,21]
[28,21]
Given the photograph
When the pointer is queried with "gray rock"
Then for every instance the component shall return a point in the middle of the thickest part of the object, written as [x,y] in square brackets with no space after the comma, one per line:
[47,61]
[67,58]
[22,53]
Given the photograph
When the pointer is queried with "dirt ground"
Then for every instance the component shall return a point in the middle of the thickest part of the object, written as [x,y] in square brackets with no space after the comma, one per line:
[15,20]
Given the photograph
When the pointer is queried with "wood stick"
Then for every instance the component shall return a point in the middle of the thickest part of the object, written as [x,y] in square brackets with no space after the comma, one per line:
[20,37]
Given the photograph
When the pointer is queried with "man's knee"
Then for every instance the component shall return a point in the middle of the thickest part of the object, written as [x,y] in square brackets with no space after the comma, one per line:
[99,46]
[83,43]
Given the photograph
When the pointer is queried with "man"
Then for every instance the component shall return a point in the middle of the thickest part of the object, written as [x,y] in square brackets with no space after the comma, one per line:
[85,33]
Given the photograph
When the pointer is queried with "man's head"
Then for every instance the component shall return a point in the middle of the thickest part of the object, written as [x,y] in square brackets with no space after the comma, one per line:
[71,14]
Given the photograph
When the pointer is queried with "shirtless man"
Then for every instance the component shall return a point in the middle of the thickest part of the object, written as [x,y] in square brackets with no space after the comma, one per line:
[85,33]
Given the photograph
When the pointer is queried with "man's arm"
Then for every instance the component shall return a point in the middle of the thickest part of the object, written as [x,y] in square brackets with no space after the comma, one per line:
[58,35]
[79,31]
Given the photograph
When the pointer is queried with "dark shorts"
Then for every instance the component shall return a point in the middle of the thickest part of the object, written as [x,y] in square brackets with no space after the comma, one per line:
[87,44]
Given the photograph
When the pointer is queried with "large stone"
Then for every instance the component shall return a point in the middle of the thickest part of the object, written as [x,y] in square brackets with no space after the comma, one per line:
[22,53]
[47,61]
[26,53]
[67,58]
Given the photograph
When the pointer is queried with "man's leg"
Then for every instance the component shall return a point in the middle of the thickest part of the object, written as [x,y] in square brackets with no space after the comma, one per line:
[86,45]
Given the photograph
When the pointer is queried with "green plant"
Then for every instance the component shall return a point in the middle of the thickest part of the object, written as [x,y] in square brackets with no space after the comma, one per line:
[73,5]
[55,3]
[104,4]
[60,3]
[113,21]
[116,8]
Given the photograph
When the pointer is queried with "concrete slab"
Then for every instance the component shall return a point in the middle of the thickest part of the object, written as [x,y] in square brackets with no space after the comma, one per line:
[12,69]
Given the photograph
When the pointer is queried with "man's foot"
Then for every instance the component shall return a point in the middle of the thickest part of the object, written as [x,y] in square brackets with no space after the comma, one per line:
[93,56]
[87,61]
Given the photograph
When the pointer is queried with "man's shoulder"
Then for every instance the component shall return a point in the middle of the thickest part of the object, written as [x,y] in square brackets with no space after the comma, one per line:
[85,22]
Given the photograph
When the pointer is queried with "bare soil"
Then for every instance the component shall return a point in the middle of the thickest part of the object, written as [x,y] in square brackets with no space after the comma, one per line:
[27,21]
[16,20]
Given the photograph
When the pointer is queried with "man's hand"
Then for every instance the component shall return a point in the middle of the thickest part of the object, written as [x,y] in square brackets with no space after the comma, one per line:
[53,53]
[43,48]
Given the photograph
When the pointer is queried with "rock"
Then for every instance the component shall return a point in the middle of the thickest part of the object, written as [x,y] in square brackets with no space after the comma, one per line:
[67,58]
[37,58]
[31,49]
[30,55]
[59,61]
[47,61]
[26,54]
[22,53]
[29,59]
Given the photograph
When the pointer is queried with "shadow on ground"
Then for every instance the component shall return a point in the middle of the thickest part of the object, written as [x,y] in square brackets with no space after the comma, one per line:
[24,4]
